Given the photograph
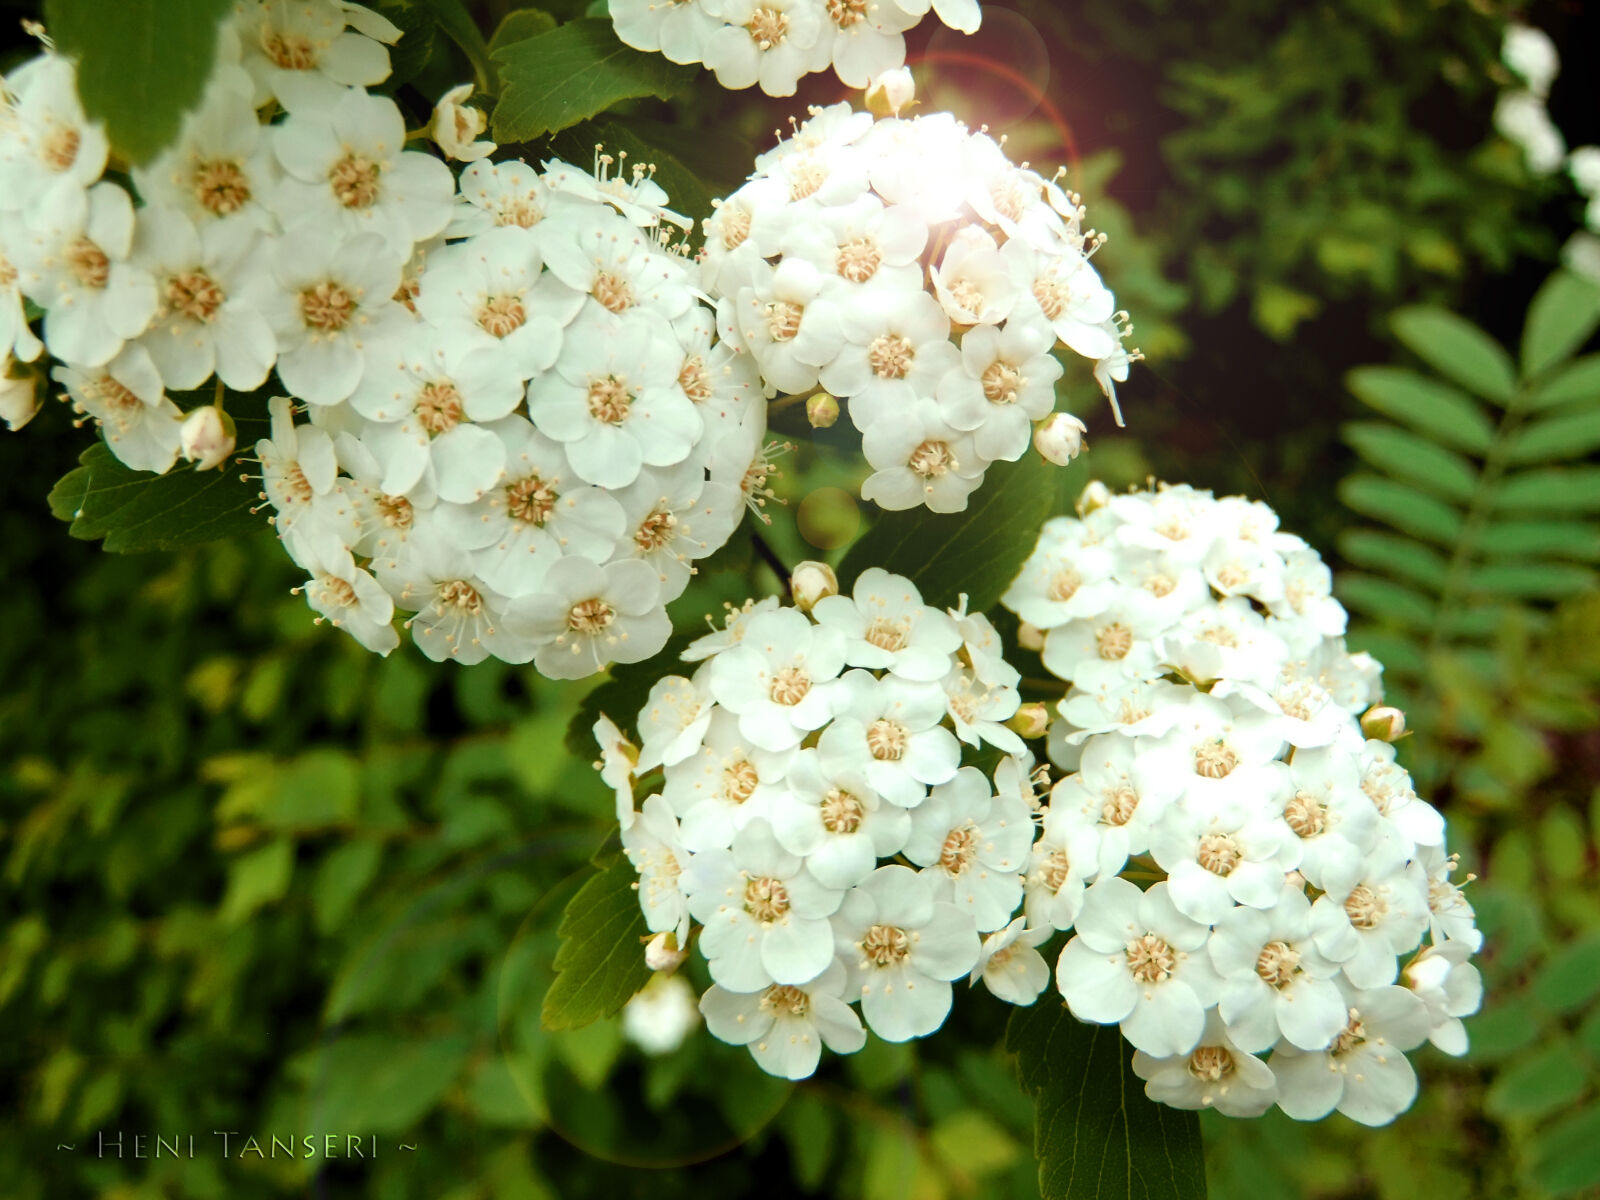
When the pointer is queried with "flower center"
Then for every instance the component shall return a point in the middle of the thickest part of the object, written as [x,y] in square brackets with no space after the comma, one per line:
[1150,960]
[396,511]
[8,271]
[1113,641]
[886,945]
[194,294]
[656,530]
[785,1000]
[1365,907]
[1055,870]
[1008,199]
[355,181]
[1160,585]
[590,617]
[1305,815]
[1219,635]
[88,263]
[739,780]
[439,407]
[967,295]
[1064,584]
[290,51]
[736,228]
[116,396]
[1349,1038]
[886,634]
[959,849]
[886,740]
[522,211]
[1211,1063]
[806,177]
[1001,383]
[783,320]
[1230,577]
[1051,294]
[841,811]
[460,594]
[890,356]
[859,259]
[845,13]
[220,187]
[501,316]
[530,500]
[338,591]
[765,898]
[695,380]
[1218,853]
[327,307]
[789,686]
[1119,805]
[609,400]
[1214,760]
[60,150]
[1278,963]
[768,27]
[295,484]
[613,292]
[932,459]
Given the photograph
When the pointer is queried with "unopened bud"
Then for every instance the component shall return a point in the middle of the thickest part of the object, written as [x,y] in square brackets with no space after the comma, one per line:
[1059,438]
[207,437]
[890,92]
[1030,637]
[812,581]
[662,952]
[822,410]
[1095,496]
[456,124]
[19,396]
[1031,720]
[1383,722]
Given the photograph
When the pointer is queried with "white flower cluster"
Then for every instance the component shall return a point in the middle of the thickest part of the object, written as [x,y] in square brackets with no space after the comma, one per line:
[522,428]
[776,42]
[908,267]
[801,754]
[1213,736]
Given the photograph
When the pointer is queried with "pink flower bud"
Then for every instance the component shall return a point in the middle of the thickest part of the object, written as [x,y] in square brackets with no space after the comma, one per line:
[207,437]
[812,581]
[822,410]
[1059,438]
[1031,720]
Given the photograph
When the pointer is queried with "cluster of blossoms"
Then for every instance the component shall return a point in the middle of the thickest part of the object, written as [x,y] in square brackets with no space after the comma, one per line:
[810,745]
[1223,743]
[776,42]
[910,269]
[515,420]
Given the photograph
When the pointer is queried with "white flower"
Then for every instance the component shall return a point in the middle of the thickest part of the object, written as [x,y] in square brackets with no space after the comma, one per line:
[890,731]
[1060,865]
[1336,823]
[1226,760]
[1118,642]
[619,759]
[1067,293]
[619,267]
[765,915]
[206,438]
[1531,54]
[675,517]
[897,349]
[1450,914]
[974,845]
[221,168]
[1063,579]
[141,426]
[1010,964]
[661,1015]
[50,149]
[1231,854]
[978,711]
[673,721]
[1275,982]
[457,615]
[735,621]
[586,616]
[920,459]
[835,820]
[1007,381]
[1364,1074]
[772,42]
[678,30]
[901,948]
[1450,987]
[1137,960]
[1384,913]
[724,785]
[785,1026]
[792,320]
[455,125]
[1522,119]
[779,677]
[316,518]
[350,599]
[508,193]
[888,627]
[1388,786]
[1583,164]
[299,51]
[1131,707]
[810,582]
[973,281]
[653,847]
[1215,1074]
[892,90]
[1119,793]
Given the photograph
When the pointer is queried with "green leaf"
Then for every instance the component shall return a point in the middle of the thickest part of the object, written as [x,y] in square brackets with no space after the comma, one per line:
[1568,539]
[457,23]
[1442,412]
[257,878]
[1571,978]
[978,551]
[1403,507]
[1096,1135]
[686,194]
[1458,350]
[571,73]
[1565,435]
[142,64]
[1385,601]
[136,510]
[520,25]
[1562,317]
[1504,1028]
[1409,457]
[600,964]
[370,1083]
[1578,380]
[341,877]
[418,29]
[1529,580]
[1558,489]
[1567,1154]
[1394,555]
[1542,1081]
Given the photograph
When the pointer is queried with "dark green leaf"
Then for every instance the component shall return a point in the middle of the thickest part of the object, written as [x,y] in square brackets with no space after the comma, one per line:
[1403,507]
[1567,1154]
[1529,580]
[1096,1135]
[1576,381]
[622,694]
[1385,601]
[142,64]
[1458,350]
[1504,1028]
[418,29]
[1442,412]
[1559,489]
[978,551]
[600,964]
[1400,655]
[559,78]
[1414,459]
[1572,976]
[1566,539]
[1565,435]
[457,24]
[1562,317]
[1394,555]
[136,510]
[519,25]
[685,193]
[1539,1082]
